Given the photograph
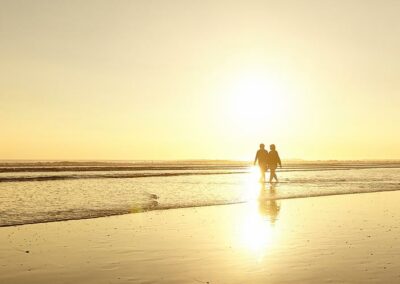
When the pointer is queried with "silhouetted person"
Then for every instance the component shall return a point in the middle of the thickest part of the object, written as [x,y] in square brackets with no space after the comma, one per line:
[273,162]
[262,157]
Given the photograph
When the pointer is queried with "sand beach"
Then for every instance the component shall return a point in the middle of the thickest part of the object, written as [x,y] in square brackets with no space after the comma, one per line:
[348,238]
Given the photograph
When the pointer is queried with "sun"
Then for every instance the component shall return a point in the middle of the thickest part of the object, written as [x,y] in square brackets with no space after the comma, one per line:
[257,98]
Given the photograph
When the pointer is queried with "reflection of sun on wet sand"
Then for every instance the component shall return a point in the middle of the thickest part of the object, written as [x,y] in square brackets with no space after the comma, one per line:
[267,204]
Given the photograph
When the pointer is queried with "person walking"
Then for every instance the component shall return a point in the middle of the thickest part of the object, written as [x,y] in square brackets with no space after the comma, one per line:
[262,158]
[273,161]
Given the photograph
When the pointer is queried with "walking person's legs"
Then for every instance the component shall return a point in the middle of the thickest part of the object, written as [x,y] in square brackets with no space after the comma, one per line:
[276,178]
[271,174]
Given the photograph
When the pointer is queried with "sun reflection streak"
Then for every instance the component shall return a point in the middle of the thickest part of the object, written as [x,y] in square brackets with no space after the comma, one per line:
[257,234]
[251,184]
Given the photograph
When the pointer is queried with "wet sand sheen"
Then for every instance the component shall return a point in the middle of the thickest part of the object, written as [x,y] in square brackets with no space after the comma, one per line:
[350,238]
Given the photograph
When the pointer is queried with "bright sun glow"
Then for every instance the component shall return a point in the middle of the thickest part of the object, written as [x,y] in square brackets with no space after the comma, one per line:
[251,185]
[256,234]
[256,98]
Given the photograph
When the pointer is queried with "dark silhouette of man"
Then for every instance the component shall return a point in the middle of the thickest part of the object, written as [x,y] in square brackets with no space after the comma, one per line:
[262,158]
[273,161]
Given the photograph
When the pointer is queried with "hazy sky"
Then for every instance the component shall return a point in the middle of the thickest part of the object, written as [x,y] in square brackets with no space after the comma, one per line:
[199,79]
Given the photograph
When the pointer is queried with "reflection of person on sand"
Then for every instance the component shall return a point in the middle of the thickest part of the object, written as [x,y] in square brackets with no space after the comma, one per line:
[267,204]
[262,157]
[273,161]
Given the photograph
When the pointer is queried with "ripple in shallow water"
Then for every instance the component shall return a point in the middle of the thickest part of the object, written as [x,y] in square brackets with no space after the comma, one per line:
[55,200]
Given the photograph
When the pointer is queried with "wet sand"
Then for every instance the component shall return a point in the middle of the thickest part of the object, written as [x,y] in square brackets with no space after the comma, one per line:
[348,238]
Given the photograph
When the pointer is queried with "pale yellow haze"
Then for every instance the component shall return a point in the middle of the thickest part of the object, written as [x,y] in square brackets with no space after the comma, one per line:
[199,79]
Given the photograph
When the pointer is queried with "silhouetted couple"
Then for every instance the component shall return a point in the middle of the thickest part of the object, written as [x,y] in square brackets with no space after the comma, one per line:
[267,161]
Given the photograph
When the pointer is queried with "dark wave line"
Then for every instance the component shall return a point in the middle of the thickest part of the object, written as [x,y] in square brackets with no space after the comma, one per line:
[16,169]
[139,175]
[101,168]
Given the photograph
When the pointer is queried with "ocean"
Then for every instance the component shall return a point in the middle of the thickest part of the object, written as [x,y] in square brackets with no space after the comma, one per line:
[46,191]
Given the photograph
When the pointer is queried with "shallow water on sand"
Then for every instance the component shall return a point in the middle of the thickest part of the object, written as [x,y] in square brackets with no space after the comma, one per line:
[48,194]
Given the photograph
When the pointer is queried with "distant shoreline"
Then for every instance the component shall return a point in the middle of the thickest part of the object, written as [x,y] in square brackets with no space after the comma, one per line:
[61,162]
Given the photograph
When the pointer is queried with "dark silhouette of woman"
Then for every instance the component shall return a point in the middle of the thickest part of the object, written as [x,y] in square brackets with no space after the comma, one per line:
[273,161]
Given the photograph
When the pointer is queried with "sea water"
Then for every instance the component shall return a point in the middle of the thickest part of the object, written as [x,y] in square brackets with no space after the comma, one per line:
[35,192]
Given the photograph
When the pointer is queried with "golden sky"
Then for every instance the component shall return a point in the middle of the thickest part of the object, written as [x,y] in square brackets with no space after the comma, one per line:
[199,79]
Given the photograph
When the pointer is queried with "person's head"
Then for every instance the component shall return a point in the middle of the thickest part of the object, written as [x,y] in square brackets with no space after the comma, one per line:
[262,146]
[272,147]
